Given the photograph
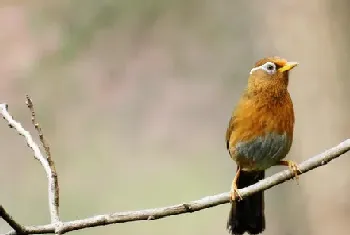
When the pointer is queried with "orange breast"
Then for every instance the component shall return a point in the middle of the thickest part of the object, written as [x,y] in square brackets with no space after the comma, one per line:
[261,125]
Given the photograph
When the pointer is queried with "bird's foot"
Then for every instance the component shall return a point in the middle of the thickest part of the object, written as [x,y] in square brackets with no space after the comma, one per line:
[234,195]
[234,192]
[293,167]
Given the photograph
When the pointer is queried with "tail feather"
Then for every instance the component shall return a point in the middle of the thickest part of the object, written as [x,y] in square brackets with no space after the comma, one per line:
[247,215]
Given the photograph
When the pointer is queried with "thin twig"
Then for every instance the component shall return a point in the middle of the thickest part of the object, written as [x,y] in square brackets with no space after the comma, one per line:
[206,202]
[8,218]
[55,200]
[46,146]
[52,183]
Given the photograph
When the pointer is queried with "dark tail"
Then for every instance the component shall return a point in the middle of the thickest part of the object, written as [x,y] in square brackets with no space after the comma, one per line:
[247,215]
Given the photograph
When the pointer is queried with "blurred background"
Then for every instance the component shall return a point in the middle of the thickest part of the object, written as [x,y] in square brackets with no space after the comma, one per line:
[135,96]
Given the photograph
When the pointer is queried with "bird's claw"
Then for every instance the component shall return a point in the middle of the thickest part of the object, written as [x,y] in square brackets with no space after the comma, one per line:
[295,169]
[235,194]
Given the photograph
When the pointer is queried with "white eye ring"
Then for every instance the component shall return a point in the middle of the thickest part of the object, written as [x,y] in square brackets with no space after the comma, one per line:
[269,67]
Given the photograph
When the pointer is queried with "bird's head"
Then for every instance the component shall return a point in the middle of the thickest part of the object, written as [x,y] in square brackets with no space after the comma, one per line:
[270,74]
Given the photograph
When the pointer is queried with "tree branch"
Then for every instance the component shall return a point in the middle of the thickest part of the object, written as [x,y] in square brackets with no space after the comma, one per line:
[53,186]
[8,218]
[206,202]
[50,171]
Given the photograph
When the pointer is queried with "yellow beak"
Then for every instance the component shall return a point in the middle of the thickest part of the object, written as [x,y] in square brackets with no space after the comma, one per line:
[288,66]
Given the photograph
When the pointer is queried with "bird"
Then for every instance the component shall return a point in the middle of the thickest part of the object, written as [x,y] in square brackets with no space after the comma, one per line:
[259,136]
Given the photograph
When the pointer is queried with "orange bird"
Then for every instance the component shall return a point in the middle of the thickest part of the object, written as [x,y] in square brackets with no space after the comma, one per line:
[259,135]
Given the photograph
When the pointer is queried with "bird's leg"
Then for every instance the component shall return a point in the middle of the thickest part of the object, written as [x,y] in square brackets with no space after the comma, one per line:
[292,166]
[234,192]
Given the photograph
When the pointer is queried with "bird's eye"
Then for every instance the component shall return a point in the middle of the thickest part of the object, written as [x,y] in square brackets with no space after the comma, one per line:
[270,67]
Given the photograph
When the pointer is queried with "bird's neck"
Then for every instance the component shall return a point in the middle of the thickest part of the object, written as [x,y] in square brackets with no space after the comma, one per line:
[272,96]
[268,89]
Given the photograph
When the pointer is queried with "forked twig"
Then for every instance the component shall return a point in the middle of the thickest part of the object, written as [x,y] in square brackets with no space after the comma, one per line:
[50,171]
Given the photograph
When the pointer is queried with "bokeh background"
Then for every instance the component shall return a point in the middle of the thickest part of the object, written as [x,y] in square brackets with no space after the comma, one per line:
[134,97]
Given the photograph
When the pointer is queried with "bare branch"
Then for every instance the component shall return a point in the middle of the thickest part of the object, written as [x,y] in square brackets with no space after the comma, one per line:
[55,200]
[206,202]
[52,183]
[8,218]
[46,146]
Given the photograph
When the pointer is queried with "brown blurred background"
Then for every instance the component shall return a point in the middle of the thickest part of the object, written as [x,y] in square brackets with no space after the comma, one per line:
[135,96]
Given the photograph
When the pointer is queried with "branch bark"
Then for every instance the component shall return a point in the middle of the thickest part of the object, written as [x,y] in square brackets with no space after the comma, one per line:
[53,189]
[8,218]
